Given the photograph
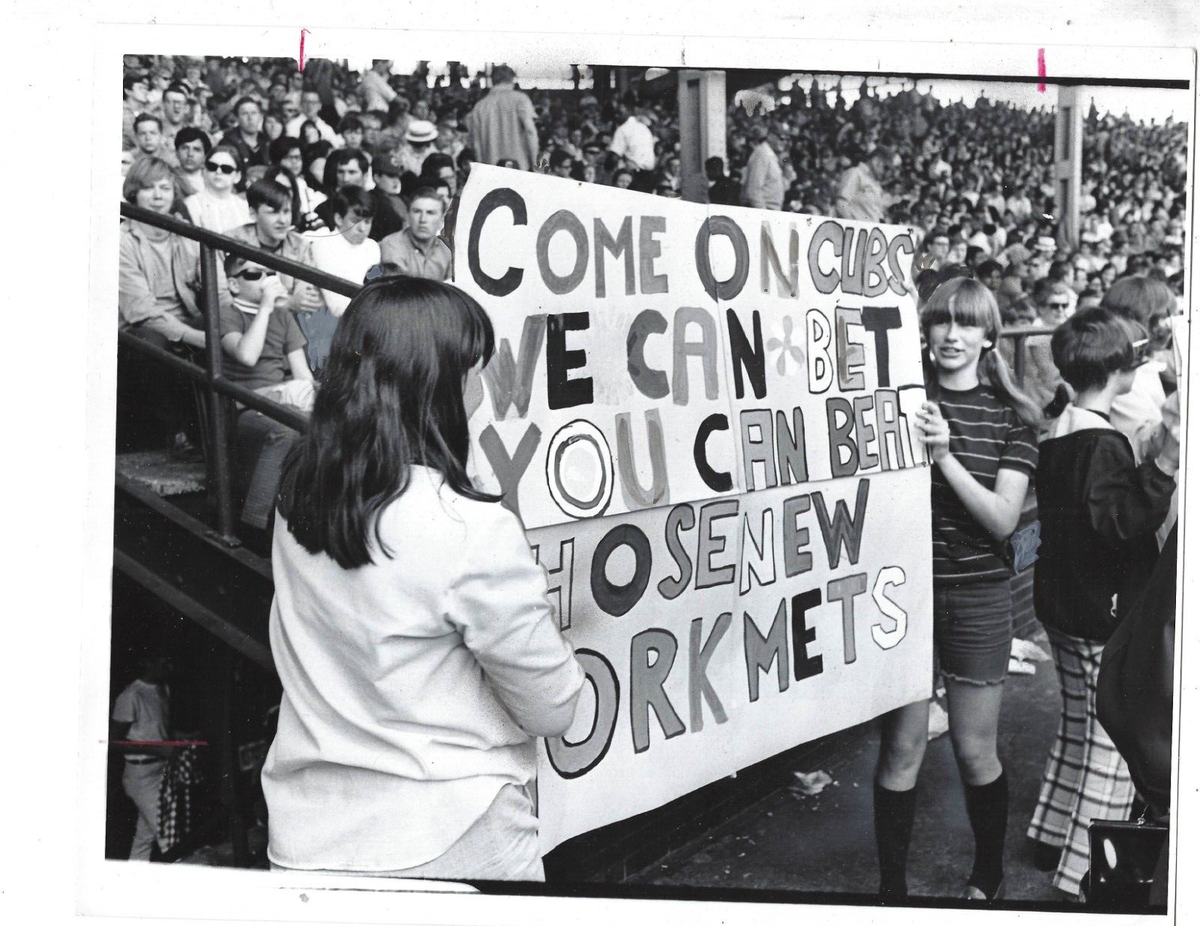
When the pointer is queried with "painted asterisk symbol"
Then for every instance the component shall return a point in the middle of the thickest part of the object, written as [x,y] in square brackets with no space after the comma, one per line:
[785,347]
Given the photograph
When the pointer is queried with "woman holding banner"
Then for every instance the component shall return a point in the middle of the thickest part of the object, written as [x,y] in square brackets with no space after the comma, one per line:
[979,431]
[411,629]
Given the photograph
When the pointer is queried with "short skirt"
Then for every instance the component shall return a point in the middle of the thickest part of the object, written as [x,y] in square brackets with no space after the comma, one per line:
[973,631]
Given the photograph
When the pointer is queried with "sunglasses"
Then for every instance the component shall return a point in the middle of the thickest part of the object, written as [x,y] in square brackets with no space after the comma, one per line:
[254,275]
[213,167]
[1141,353]
[1059,305]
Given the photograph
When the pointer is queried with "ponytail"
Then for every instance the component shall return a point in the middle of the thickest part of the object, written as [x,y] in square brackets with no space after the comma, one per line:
[997,373]
[1057,405]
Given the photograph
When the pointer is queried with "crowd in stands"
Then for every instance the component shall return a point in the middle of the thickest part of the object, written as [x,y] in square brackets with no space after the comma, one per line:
[355,174]
[345,171]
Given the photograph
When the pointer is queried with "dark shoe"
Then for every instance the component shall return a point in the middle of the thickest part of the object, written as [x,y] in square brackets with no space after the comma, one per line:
[976,894]
[183,450]
[1046,857]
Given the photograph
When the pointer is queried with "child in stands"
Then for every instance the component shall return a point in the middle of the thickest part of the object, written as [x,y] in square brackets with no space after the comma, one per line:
[264,348]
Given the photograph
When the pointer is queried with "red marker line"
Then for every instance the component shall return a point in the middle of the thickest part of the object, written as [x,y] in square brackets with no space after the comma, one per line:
[1041,67]
[303,33]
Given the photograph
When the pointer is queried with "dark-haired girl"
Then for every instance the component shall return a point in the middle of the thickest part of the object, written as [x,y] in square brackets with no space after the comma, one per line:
[411,629]
[1099,510]
[978,430]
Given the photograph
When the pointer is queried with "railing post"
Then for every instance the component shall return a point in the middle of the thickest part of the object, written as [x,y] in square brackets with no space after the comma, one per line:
[218,405]
[1019,359]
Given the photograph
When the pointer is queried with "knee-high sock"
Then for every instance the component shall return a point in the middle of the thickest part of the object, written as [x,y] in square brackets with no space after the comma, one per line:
[894,811]
[987,808]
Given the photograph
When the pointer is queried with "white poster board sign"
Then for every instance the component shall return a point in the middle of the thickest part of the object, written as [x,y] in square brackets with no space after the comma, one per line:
[703,416]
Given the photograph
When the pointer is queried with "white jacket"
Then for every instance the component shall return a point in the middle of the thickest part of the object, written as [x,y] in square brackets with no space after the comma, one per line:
[413,687]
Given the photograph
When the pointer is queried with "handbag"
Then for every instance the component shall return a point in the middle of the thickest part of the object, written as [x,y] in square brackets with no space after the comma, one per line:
[1125,857]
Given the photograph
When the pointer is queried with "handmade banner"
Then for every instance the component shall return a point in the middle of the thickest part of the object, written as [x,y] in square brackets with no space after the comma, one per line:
[704,418]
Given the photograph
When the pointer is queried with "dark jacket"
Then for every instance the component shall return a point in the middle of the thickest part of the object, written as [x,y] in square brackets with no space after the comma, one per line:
[1099,511]
[1136,687]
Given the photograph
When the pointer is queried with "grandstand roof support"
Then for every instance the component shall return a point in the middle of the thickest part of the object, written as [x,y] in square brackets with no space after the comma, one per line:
[701,118]
[1068,164]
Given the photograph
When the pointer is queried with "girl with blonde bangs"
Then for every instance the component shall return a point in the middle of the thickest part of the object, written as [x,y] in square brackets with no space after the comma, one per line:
[978,428]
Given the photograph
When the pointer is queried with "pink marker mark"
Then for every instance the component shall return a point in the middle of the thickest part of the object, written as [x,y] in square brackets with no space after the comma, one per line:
[1041,67]
[304,32]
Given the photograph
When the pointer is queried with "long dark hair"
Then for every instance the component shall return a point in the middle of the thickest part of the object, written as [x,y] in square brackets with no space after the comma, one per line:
[969,302]
[391,396]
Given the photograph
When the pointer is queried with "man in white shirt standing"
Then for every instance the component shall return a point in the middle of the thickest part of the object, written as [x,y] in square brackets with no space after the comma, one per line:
[377,92]
[142,718]
[634,142]
[763,186]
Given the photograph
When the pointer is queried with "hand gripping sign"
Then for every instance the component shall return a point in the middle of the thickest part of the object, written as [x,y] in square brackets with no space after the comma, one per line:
[703,416]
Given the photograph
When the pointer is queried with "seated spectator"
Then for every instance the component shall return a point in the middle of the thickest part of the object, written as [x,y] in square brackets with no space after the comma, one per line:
[263,344]
[219,207]
[310,134]
[192,148]
[301,221]
[389,183]
[265,352]
[561,163]
[310,111]
[1053,300]
[315,156]
[147,130]
[159,286]
[286,152]
[418,145]
[273,125]
[174,112]
[347,252]
[246,137]
[623,178]
[439,168]
[137,101]
[936,249]
[349,167]
[991,275]
[372,123]
[270,229]
[417,248]
[350,130]
[343,167]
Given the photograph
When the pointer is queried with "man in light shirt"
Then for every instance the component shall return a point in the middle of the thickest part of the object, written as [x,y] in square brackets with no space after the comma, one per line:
[175,112]
[763,186]
[860,192]
[418,250]
[310,111]
[502,124]
[192,148]
[377,92]
[634,142]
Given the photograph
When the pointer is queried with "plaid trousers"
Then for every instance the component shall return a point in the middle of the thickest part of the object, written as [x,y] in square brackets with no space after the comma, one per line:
[1085,779]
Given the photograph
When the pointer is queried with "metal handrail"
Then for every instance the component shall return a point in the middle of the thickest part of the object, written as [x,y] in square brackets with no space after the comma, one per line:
[233,246]
[221,391]
[1020,336]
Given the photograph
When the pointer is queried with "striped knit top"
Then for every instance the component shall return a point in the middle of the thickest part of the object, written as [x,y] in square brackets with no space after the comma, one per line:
[985,435]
